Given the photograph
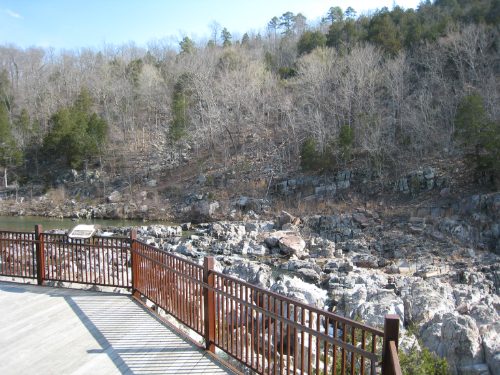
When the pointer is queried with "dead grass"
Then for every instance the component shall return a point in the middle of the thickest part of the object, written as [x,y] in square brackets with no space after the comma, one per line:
[299,207]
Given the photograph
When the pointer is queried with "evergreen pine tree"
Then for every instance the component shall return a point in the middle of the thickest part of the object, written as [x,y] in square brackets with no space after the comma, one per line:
[479,136]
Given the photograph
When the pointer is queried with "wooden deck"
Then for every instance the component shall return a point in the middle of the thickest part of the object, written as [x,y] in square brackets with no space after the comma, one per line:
[46,330]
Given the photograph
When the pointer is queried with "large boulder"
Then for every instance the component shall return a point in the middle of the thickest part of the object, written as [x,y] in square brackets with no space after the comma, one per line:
[253,248]
[295,264]
[272,239]
[491,347]
[187,250]
[365,261]
[286,218]
[292,245]
[205,208]
[308,275]
[487,316]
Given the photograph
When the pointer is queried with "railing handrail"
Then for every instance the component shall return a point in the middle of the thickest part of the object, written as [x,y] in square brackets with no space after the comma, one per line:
[16,232]
[190,262]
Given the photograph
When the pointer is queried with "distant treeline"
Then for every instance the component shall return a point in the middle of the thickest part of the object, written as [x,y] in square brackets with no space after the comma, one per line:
[386,86]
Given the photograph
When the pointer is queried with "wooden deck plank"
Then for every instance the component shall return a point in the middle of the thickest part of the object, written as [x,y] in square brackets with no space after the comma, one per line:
[67,331]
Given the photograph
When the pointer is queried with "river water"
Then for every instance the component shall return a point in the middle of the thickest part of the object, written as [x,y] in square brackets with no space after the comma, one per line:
[27,223]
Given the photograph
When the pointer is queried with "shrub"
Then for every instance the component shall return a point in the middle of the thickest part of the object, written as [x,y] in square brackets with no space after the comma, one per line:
[422,362]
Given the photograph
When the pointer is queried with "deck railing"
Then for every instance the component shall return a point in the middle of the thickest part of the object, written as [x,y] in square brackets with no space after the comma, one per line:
[265,331]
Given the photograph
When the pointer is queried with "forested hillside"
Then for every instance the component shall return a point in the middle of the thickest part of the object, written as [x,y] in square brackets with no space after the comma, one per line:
[385,89]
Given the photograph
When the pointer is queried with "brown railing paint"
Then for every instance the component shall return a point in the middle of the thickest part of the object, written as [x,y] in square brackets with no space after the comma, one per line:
[265,331]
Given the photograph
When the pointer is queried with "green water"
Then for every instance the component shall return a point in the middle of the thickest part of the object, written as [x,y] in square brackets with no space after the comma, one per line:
[27,223]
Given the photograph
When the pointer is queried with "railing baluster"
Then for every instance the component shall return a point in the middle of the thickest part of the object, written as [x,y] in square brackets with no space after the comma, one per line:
[240,324]
[40,255]
[247,324]
[318,353]
[281,337]
[289,337]
[302,347]
[209,304]
[309,354]
[326,360]
[363,346]
[344,339]
[353,356]
[275,336]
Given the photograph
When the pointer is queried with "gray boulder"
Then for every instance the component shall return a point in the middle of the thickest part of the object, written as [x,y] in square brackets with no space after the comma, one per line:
[187,250]
[308,275]
[378,303]
[321,248]
[300,291]
[460,342]
[115,196]
[426,299]
[365,261]
[286,218]
[296,264]
[251,272]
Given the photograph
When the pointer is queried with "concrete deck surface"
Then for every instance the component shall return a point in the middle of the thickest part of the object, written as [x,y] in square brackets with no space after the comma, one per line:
[47,330]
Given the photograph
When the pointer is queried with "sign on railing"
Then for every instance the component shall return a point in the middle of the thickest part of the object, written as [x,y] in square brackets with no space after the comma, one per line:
[83,231]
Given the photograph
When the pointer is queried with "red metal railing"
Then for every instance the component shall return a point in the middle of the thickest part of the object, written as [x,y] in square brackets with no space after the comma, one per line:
[288,334]
[269,333]
[172,283]
[47,256]
[98,260]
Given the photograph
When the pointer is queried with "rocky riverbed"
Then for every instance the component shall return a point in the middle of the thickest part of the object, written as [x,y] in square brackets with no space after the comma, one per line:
[440,274]
[438,269]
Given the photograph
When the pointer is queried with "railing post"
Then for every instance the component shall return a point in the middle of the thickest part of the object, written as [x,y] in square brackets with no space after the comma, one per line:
[391,333]
[209,303]
[40,255]
[135,264]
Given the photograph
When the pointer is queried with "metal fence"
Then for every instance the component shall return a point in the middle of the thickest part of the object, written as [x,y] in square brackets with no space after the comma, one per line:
[265,331]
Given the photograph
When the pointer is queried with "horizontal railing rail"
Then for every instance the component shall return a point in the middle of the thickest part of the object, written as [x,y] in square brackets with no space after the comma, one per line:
[267,332]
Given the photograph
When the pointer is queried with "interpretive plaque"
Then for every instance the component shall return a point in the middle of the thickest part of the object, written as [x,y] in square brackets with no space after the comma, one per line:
[82,231]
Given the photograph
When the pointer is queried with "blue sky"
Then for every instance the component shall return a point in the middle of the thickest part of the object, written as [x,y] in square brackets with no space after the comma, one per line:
[71,24]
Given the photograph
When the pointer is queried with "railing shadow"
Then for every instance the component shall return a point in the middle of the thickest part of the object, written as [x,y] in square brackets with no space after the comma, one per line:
[127,338]
[136,341]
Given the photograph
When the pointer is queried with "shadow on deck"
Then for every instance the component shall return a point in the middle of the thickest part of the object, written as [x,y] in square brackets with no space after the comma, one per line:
[45,330]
